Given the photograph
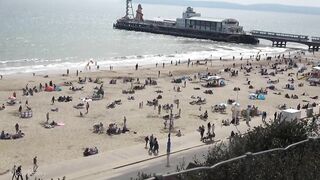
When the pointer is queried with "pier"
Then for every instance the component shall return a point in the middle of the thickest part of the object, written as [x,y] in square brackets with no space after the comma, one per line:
[281,39]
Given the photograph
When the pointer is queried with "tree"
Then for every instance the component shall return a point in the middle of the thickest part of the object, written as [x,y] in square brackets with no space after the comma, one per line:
[299,162]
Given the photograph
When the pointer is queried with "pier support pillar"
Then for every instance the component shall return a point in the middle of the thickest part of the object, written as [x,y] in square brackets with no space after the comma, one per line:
[279,43]
[313,48]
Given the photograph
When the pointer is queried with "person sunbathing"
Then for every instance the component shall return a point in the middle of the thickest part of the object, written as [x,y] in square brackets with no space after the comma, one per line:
[53,123]
[2,135]
[20,134]
[179,133]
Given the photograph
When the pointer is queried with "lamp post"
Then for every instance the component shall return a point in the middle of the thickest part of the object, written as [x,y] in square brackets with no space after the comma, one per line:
[168,150]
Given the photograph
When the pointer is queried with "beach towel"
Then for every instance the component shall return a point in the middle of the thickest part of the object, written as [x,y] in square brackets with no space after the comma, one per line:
[12,98]
[252,96]
[58,88]
[60,124]
[49,89]
[261,97]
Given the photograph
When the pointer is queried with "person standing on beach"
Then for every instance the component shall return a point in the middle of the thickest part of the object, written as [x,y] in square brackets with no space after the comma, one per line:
[178,103]
[52,100]
[17,127]
[35,164]
[20,109]
[137,66]
[67,72]
[125,123]
[47,116]
[87,107]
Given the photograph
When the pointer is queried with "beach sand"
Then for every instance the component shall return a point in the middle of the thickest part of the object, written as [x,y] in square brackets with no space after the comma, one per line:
[68,142]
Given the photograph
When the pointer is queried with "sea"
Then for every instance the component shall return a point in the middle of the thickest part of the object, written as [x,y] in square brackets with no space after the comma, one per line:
[45,35]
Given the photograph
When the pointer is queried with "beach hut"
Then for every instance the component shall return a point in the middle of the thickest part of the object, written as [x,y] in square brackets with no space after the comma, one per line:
[290,115]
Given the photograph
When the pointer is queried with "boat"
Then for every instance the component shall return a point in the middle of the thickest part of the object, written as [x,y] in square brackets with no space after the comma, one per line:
[191,25]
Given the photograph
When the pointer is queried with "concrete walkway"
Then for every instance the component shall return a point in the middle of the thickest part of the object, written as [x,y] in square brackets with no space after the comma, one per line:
[106,163]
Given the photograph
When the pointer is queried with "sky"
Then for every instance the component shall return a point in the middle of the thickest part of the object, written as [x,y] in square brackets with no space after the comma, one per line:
[286,2]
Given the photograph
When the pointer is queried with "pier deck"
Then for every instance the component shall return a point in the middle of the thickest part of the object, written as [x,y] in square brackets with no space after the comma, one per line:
[281,39]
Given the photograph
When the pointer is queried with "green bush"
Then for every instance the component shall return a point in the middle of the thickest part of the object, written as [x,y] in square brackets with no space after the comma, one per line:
[299,162]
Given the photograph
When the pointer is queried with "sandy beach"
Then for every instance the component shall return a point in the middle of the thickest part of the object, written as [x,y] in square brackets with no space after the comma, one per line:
[68,141]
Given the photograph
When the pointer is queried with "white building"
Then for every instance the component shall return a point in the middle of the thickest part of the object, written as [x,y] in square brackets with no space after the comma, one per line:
[192,20]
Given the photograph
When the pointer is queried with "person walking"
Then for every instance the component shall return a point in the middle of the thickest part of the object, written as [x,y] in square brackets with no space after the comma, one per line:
[146,139]
[13,171]
[201,133]
[151,143]
[264,116]
[19,173]
[35,164]
[87,107]
[156,146]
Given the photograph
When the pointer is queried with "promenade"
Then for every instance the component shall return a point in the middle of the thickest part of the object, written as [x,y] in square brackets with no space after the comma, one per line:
[106,165]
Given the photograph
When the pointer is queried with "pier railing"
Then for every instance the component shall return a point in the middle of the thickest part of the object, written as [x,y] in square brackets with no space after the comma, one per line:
[266,34]
[315,39]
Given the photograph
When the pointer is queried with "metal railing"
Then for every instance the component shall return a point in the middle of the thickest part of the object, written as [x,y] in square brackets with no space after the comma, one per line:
[247,155]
